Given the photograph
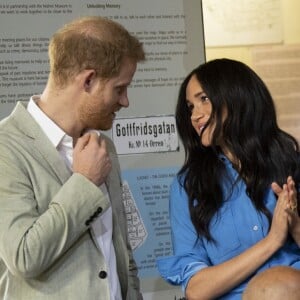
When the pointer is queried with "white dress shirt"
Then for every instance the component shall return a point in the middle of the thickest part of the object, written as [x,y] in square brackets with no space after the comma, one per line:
[101,228]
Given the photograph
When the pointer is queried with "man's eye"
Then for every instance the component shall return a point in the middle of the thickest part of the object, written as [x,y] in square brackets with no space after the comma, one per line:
[120,90]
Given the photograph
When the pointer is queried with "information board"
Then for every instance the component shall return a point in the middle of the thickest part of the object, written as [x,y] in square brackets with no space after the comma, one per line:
[172,34]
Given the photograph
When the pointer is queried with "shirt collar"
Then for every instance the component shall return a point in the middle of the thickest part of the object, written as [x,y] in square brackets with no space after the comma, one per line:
[52,131]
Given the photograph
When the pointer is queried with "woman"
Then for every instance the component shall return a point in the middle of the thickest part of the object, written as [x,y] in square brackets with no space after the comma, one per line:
[233,204]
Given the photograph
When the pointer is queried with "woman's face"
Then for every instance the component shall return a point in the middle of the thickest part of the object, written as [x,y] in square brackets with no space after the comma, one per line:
[201,109]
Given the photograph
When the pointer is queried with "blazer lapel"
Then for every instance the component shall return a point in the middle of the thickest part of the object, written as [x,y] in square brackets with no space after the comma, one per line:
[42,144]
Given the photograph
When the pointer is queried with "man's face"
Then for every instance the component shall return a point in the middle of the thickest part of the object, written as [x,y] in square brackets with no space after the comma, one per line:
[105,98]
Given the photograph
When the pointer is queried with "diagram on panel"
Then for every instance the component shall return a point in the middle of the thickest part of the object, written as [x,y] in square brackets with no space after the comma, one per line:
[136,229]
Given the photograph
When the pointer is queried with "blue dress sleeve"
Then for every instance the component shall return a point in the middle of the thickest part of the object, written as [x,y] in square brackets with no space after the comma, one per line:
[189,252]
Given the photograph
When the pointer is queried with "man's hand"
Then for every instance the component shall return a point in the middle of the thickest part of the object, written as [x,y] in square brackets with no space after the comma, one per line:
[90,158]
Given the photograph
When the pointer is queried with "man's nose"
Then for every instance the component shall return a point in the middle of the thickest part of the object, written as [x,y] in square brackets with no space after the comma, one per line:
[124,101]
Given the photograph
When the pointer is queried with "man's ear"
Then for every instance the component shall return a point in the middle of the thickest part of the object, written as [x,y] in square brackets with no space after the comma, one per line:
[88,79]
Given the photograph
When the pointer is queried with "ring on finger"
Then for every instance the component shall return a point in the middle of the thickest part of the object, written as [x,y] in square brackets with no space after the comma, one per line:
[294,207]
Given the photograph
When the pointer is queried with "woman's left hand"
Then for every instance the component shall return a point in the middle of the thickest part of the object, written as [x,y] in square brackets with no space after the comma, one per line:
[292,207]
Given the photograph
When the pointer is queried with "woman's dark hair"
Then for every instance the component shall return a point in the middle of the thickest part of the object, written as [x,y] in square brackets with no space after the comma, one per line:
[250,131]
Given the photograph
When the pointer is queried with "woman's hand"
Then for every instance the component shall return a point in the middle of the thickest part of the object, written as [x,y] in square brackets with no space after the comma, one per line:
[280,226]
[291,206]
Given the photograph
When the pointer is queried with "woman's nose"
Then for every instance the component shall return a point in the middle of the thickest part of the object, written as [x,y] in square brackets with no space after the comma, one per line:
[196,115]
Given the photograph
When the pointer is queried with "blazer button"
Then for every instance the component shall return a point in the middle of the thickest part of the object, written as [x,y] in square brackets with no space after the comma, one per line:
[97,212]
[102,274]
[88,222]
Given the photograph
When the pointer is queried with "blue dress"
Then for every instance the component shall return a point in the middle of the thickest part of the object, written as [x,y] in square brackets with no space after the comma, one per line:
[236,227]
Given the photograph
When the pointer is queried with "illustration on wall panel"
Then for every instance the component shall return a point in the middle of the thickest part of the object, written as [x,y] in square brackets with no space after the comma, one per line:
[136,229]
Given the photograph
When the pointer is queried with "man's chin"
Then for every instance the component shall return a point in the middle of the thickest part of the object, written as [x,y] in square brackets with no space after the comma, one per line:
[105,127]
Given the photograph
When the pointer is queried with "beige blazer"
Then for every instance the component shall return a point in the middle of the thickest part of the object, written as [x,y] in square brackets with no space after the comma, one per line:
[46,248]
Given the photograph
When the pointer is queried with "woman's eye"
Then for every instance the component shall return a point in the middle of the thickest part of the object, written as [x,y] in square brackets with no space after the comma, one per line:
[190,107]
[204,98]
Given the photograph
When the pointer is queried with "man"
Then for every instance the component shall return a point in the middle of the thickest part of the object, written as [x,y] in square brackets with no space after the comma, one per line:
[277,283]
[63,231]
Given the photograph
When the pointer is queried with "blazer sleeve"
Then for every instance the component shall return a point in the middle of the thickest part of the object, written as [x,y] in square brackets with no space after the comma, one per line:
[33,235]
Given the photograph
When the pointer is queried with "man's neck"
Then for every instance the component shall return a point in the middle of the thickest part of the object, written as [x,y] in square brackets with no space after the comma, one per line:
[60,106]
